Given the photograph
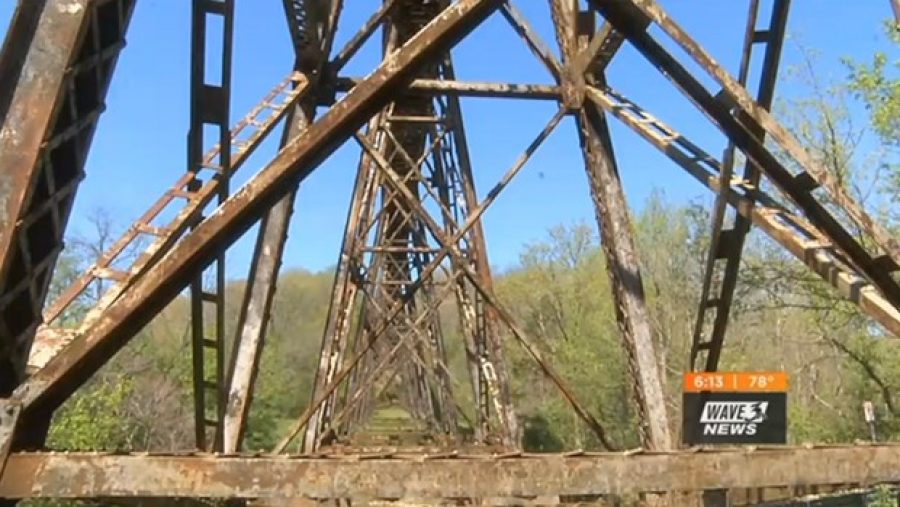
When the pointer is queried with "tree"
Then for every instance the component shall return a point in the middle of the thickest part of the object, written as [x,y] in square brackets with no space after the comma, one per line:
[878,85]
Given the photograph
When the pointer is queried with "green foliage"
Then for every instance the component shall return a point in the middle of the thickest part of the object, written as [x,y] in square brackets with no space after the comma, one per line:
[539,435]
[561,297]
[884,496]
[878,85]
[93,419]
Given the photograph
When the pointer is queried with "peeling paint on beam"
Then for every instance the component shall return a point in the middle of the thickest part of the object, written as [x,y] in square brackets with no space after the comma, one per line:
[73,475]
[469,88]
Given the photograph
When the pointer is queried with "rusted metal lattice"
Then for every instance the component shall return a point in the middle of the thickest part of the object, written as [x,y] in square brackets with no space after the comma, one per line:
[413,241]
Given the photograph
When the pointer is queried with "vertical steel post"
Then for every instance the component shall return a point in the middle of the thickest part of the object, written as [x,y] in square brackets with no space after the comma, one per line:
[727,244]
[210,106]
[616,232]
[312,26]
[257,304]
[617,240]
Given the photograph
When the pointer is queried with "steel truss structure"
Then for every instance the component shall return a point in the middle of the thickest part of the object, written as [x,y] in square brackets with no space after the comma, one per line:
[413,242]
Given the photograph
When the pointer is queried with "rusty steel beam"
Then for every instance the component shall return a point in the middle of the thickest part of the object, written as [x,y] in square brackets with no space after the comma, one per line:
[306,20]
[253,321]
[16,44]
[623,269]
[27,110]
[259,295]
[604,44]
[469,88]
[532,39]
[9,416]
[565,21]
[361,36]
[56,64]
[48,388]
[616,233]
[387,476]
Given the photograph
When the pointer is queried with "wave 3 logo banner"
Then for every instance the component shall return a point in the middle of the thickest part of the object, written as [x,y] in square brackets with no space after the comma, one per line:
[732,417]
[733,413]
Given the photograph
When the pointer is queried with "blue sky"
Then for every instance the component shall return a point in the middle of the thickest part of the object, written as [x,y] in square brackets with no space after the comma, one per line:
[139,148]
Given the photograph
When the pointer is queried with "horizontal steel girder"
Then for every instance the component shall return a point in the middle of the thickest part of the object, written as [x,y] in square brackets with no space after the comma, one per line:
[470,88]
[72,475]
